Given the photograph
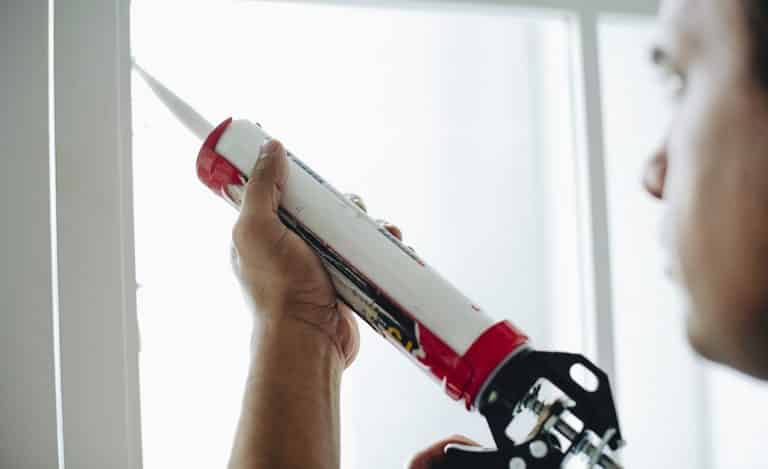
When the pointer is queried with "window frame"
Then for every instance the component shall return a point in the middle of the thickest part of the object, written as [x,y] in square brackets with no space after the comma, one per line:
[94,234]
[28,390]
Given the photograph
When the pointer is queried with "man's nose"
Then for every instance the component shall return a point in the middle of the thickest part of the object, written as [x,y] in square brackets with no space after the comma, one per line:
[656,173]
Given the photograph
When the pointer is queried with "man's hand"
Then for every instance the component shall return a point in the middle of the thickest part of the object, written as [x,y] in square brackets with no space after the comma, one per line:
[303,340]
[283,278]
[432,457]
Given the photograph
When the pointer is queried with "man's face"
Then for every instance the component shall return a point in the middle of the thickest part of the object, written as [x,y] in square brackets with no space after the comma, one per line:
[712,174]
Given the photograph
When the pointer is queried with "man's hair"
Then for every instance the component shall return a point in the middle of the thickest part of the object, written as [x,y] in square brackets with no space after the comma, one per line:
[757,23]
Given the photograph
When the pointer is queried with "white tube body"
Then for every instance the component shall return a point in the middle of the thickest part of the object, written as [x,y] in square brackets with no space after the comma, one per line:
[382,280]
[372,250]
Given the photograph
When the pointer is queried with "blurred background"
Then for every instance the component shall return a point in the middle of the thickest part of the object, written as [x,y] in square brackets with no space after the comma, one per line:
[457,124]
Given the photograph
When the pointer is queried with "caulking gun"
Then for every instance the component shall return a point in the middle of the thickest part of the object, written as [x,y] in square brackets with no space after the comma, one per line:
[490,366]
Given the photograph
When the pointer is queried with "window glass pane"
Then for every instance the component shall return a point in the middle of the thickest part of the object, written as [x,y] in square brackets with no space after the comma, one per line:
[730,394]
[454,123]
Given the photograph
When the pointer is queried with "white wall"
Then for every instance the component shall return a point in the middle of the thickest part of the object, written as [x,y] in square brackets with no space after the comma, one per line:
[27,399]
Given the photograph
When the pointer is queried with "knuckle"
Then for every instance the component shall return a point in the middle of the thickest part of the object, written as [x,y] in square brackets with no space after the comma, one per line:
[260,237]
[252,187]
[280,242]
[238,236]
[256,180]
[245,233]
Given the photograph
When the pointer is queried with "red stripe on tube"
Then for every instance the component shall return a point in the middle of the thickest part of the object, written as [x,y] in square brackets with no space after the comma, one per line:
[213,169]
[489,351]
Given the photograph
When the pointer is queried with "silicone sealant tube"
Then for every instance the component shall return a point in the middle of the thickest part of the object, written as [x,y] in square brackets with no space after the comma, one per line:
[382,280]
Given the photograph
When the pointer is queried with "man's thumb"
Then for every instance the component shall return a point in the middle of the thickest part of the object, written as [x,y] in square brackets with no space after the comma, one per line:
[266,182]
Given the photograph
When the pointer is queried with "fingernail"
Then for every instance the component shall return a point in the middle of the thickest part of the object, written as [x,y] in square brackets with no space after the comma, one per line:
[357,200]
[270,147]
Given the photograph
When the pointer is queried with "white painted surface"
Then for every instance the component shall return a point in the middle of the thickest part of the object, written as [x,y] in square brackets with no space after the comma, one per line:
[27,394]
[582,6]
[594,228]
[554,120]
[99,343]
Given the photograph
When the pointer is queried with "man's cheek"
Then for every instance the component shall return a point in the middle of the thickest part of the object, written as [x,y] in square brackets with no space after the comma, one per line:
[679,237]
[668,246]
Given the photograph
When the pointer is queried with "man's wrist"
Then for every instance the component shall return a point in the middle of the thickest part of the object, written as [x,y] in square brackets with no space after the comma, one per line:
[294,340]
[290,412]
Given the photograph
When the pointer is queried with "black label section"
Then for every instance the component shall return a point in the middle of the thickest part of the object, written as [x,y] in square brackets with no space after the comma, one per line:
[386,317]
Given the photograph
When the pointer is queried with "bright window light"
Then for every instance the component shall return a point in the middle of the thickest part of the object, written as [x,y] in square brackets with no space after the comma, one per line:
[453,123]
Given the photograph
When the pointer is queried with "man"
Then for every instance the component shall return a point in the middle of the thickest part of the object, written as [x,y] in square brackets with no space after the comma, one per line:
[712,174]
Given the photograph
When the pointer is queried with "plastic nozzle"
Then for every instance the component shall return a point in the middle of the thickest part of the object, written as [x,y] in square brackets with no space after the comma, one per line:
[185,113]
